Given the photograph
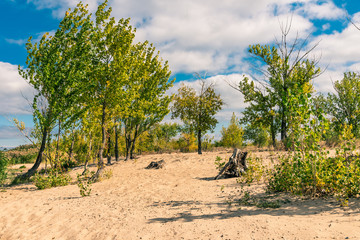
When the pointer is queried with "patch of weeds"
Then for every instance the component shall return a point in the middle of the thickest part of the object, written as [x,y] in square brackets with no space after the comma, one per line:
[22,167]
[84,183]
[53,179]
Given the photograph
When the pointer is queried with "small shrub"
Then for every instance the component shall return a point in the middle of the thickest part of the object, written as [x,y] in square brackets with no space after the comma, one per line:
[84,183]
[219,163]
[255,171]
[53,179]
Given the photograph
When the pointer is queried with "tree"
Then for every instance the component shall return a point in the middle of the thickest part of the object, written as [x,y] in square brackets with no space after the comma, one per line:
[344,105]
[197,111]
[232,136]
[148,83]
[112,45]
[287,73]
[54,68]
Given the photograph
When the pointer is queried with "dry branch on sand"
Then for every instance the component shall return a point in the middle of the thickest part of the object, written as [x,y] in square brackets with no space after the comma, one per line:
[156,165]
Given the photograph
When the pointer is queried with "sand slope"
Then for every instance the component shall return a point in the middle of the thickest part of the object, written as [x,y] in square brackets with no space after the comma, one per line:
[179,201]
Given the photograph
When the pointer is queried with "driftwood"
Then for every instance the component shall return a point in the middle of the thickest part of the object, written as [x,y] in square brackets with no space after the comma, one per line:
[235,166]
[156,165]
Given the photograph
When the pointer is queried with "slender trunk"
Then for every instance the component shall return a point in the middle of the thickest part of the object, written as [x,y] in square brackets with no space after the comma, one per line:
[132,149]
[88,156]
[102,146]
[116,144]
[37,163]
[199,141]
[273,132]
[71,152]
[109,148]
[133,143]
[57,144]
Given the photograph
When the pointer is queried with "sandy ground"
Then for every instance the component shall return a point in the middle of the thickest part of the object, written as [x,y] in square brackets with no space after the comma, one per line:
[180,201]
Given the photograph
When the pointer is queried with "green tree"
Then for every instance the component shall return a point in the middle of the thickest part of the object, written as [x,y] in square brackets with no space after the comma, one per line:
[54,67]
[148,83]
[344,105]
[232,136]
[197,111]
[287,71]
[112,46]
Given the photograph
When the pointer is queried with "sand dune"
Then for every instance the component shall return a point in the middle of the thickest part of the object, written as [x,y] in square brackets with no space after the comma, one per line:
[180,201]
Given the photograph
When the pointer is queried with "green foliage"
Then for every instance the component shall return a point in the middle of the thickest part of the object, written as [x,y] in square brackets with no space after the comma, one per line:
[308,170]
[3,167]
[186,142]
[52,179]
[21,158]
[84,182]
[219,163]
[255,172]
[344,105]
[257,135]
[287,72]
[197,110]
[232,136]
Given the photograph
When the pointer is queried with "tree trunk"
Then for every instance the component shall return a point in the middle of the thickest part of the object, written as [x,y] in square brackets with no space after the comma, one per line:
[132,149]
[133,143]
[109,148]
[88,156]
[101,165]
[71,152]
[116,144]
[199,142]
[273,132]
[57,144]
[37,163]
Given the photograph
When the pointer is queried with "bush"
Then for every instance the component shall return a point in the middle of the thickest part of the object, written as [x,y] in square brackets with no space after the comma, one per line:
[3,167]
[314,173]
[53,179]
[255,171]
[84,183]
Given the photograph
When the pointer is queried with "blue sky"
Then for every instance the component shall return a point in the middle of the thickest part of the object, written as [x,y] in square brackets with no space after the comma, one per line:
[205,36]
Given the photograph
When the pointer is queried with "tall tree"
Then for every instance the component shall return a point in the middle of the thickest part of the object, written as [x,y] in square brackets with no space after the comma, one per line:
[287,72]
[197,111]
[112,44]
[148,83]
[54,67]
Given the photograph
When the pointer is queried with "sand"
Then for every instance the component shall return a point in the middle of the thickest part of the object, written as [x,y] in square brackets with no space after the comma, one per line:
[180,201]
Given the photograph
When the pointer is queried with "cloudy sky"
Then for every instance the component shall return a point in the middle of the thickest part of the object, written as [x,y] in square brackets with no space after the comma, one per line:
[205,36]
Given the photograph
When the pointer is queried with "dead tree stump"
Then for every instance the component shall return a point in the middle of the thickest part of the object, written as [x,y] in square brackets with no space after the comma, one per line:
[235,166]
[156,165]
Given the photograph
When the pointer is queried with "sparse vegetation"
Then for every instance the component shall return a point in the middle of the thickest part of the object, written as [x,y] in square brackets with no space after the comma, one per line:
[3,167]
[52,179]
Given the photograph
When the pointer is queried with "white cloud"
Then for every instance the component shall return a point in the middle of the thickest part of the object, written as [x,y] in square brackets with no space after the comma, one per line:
[16,41]
[60,6]
[13,88]
[316,9]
